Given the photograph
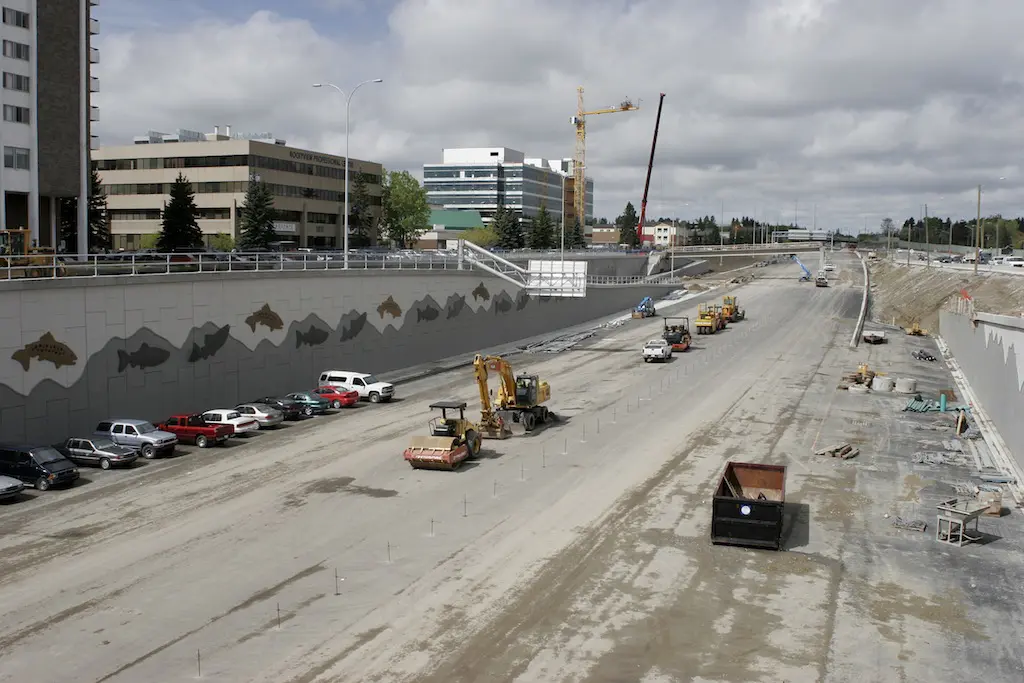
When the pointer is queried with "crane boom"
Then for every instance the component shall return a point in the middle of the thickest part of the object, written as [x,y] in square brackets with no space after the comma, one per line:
[650,167]
[579,184]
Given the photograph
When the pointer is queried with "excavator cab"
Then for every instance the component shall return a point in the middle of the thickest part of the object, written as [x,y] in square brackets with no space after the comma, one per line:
[526,390]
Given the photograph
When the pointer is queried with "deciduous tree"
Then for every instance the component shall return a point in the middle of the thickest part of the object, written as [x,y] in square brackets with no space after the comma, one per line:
[405,212]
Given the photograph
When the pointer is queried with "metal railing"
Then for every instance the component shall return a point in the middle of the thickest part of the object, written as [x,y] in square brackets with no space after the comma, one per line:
[778,246]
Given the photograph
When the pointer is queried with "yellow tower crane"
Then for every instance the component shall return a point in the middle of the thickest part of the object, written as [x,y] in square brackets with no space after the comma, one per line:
[579,185]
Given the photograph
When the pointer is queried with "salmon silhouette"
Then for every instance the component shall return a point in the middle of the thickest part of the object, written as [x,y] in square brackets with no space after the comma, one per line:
[354,327]
[429,313]
[522,300]
[212,343]
[502,305]
[315,337]
[46,348]
[266,317]
[456,303]
[481,293]
[389,306]
[146,357]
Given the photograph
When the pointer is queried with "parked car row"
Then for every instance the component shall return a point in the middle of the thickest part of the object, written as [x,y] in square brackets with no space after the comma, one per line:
[118,443]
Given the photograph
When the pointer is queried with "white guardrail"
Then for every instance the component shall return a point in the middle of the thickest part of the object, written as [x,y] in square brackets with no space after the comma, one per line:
[63,266]
[859,328]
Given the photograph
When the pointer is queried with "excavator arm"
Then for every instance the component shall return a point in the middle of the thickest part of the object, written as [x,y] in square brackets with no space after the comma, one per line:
[490,422]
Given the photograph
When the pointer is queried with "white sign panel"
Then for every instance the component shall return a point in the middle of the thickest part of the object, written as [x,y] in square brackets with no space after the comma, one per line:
[288,228]
[558,278]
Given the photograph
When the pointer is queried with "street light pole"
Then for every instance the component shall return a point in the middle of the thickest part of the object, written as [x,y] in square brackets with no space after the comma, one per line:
[977,235]
[348,112]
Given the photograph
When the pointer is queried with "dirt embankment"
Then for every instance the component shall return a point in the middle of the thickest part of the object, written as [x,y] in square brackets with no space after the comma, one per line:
[913,294]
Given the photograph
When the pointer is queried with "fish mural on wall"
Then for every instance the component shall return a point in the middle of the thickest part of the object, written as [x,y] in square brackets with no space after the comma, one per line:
[502,305]
[355,326]
[522,299]
[315,337]
[212,343]
[145,357]
[266,317]
[456,302]
[389,306]
[429,313]
[481,293]
[46,348]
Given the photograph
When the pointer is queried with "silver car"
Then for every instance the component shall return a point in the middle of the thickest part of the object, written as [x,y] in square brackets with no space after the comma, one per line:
[10,487]
[262,413]
[98,451]
[138,434]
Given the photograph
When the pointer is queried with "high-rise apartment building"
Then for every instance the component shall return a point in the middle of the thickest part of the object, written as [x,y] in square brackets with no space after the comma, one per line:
[308,187]
[45,132]
[484,178]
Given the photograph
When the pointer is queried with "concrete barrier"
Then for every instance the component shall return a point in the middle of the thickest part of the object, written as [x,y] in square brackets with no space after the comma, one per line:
[859,328]
[73,352]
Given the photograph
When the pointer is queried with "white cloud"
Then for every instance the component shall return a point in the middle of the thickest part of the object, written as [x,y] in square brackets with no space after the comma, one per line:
[866,108]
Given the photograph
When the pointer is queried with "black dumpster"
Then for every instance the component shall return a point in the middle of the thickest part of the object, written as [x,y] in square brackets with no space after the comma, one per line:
[748,504]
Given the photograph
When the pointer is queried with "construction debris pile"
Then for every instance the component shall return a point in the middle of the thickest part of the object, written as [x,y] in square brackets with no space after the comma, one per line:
[843,451]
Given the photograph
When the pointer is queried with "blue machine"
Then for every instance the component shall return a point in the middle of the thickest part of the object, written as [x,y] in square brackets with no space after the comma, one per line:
[645,309]
[806,277]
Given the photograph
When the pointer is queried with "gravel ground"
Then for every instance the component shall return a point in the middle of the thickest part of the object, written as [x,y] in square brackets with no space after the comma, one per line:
[313,553]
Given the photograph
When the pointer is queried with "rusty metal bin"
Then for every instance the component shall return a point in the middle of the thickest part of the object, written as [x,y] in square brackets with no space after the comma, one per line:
[747,508]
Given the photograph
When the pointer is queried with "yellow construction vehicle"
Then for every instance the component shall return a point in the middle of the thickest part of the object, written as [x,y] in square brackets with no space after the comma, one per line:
[731,309]
[720,316]
[19,259]
[452,440]
[519,405]
[707,319]
[916,330]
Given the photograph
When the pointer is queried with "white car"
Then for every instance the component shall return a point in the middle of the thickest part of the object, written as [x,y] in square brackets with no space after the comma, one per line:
[657,349]
[368,386]
[243,424]
[264,415]
[830,267]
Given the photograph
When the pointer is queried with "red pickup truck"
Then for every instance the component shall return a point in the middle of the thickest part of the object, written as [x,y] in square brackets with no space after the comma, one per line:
[194,429]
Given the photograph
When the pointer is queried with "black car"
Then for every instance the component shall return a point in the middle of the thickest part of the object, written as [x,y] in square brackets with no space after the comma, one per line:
[289,408]
[41,466]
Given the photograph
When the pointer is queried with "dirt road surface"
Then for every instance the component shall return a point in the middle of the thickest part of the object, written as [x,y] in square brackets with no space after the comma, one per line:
[314,553]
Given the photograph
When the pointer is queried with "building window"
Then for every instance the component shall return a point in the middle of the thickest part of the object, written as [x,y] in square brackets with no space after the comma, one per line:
[214,214]
[16,157]
[16,50]
[325,218]
[15,18]
[16,114]
[134,214]
[16,82]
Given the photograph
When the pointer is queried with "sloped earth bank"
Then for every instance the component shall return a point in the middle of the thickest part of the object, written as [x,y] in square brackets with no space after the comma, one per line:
[909,293]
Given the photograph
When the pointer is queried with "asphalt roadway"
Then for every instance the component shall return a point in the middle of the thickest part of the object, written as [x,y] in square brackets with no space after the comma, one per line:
[313,553]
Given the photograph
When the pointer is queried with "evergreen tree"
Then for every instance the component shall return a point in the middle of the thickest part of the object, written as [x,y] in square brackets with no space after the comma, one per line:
[361,225]
[256,218]
[542,230]
[575,236]
[508,229]
[99,221]
[627,223]
[178,228]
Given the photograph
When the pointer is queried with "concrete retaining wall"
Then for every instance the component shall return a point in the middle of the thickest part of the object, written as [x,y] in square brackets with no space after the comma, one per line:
[990,349]
[73,352]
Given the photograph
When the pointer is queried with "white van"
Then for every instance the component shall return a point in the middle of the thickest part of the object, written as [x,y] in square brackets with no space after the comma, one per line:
[368,386]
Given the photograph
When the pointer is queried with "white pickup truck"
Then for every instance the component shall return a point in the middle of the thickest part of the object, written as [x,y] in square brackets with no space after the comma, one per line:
[657,349]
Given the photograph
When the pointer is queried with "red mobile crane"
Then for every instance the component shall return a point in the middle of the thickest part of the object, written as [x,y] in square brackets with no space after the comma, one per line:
[650,166]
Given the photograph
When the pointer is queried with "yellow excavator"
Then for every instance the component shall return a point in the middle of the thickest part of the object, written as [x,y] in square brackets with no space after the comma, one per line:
[519,406]
[19,259]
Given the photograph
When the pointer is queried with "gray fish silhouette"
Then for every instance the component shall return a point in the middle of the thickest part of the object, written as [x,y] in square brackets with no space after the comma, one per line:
[355,326]
[146,357]
[265,317]
[502,305]
[456,303]
[522,300]
[48,349]
[315,337]
[481,293]
[212,343]
[429,313]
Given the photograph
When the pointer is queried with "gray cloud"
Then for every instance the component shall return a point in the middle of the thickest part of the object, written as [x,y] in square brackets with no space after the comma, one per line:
[863,109]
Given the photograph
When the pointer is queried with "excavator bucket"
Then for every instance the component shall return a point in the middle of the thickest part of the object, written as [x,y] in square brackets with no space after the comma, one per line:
[501,431]
[435,453]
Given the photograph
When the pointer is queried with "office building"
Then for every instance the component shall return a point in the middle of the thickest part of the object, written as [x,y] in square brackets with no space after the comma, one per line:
[47,84]
[308,187]
[484,178]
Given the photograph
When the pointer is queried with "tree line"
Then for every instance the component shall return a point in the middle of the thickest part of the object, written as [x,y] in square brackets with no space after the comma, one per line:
[998,232]
[507,231]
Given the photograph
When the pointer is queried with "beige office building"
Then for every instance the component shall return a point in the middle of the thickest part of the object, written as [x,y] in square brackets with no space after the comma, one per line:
[308,186]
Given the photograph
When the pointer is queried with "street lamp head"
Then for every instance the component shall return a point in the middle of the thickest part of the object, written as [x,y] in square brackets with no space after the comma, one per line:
[378,80]
[318,85]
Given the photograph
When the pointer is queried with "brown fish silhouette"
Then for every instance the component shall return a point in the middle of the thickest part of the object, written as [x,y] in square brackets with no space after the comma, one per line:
[47,348]
[265,317]
[481,293]
[389,306]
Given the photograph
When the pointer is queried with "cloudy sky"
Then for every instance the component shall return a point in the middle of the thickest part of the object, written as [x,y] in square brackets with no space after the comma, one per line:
[850,110]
